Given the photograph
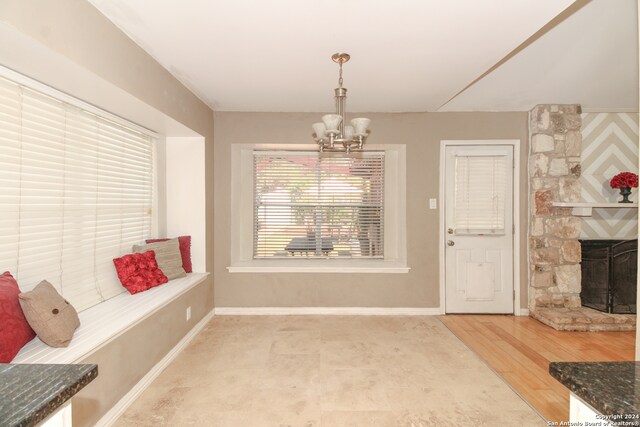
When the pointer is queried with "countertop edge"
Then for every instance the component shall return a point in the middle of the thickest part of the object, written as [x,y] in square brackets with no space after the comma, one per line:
[587,390]
[44,409]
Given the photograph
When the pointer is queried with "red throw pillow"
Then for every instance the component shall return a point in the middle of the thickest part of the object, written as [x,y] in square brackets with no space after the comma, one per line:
[185,250]
[139,272]
[15,331]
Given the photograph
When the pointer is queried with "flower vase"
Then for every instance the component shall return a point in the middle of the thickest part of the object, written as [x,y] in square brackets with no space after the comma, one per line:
[625,192]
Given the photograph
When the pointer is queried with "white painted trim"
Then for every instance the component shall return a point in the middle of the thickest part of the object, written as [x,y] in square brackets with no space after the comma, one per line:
[242,226]
[523,312]
[341,311]
[319,269]
[119,408]
[586,208]
[609,110]
[515,143]
[517,310]
[441,224]
[185,208]
[441,237]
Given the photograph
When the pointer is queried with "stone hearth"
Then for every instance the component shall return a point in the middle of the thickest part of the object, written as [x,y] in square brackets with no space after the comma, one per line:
[584,319]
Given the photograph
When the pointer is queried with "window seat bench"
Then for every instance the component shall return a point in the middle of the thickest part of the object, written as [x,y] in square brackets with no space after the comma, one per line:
[103,322]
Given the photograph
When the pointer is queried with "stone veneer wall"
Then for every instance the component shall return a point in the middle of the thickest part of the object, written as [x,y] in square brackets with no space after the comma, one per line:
[554,172]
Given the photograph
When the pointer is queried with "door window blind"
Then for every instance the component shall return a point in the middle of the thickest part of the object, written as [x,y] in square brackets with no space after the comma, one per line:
[480,185]
[318,206]
[76,192]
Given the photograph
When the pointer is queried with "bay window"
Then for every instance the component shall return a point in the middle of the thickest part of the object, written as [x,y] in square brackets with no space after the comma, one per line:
[76,191]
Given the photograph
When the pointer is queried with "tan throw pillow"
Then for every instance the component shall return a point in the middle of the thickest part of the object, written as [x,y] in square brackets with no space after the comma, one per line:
[52,317]
[168,257]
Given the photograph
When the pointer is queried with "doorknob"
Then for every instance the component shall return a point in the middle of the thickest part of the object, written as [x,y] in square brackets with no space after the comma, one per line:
[450,242]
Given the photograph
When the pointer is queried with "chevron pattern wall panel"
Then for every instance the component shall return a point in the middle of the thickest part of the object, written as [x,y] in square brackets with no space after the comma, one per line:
[609,146]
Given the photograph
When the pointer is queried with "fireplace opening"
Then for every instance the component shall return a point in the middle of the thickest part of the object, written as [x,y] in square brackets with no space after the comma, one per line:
[609,275]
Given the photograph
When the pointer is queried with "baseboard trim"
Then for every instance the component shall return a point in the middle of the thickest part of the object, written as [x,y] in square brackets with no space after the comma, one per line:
[524,312]
[340,311]
[119,408]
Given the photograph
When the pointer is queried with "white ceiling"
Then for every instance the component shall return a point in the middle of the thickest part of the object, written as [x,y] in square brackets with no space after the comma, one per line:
[590,59]
[407,55]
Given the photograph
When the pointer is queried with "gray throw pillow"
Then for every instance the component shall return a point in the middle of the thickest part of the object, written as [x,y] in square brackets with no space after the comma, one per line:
[52,318]
[168,257]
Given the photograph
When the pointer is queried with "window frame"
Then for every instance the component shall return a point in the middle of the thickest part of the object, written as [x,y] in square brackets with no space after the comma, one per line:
[242,218]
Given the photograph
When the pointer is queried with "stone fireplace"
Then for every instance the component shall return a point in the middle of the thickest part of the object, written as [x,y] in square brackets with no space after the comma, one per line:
[554,232]
[554,169]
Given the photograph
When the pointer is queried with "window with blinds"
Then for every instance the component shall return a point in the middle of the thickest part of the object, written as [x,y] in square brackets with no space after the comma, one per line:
[318,206]
[480,186]
[76,192]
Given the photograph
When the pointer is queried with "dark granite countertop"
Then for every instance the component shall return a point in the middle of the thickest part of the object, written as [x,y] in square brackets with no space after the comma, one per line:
[30,393]
[611,388]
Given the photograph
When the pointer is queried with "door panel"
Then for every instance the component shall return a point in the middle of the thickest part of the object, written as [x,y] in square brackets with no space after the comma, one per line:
[479,229]
[482,275]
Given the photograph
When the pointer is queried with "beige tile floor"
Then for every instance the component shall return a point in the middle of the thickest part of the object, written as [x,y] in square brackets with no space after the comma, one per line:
[310,371]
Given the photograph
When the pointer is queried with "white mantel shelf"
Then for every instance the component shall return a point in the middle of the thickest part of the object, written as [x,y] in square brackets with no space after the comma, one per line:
[586,208]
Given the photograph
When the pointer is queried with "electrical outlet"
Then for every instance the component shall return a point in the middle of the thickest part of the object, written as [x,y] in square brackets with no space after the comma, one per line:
[188,313]
[433,204]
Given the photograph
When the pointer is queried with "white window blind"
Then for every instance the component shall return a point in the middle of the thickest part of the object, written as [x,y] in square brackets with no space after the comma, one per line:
[76,192]
[319,206]
[480,185]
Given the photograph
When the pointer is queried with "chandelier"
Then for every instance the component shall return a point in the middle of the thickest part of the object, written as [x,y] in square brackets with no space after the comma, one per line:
[331,134]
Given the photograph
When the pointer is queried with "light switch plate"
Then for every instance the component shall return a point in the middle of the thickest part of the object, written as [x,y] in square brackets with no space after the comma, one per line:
[433,204]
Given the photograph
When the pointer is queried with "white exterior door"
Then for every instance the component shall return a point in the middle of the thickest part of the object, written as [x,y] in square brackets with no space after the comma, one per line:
[479,229]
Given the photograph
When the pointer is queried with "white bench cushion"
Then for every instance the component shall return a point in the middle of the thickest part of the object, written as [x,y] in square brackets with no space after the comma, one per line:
[103,322]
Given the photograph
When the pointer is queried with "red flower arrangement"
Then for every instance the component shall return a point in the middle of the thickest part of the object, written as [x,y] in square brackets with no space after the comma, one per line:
[624,179]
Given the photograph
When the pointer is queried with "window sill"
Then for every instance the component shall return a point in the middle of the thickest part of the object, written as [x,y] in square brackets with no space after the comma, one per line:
[318,266]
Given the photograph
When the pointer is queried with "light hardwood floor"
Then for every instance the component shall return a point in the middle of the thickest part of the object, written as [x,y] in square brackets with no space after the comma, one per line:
[520,349]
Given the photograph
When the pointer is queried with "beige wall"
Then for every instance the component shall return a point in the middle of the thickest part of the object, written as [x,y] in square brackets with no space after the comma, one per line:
[76,30]
[124,361]
[422,133]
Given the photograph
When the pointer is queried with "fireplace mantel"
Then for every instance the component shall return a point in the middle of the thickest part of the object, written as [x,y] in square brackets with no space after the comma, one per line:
[586,208]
